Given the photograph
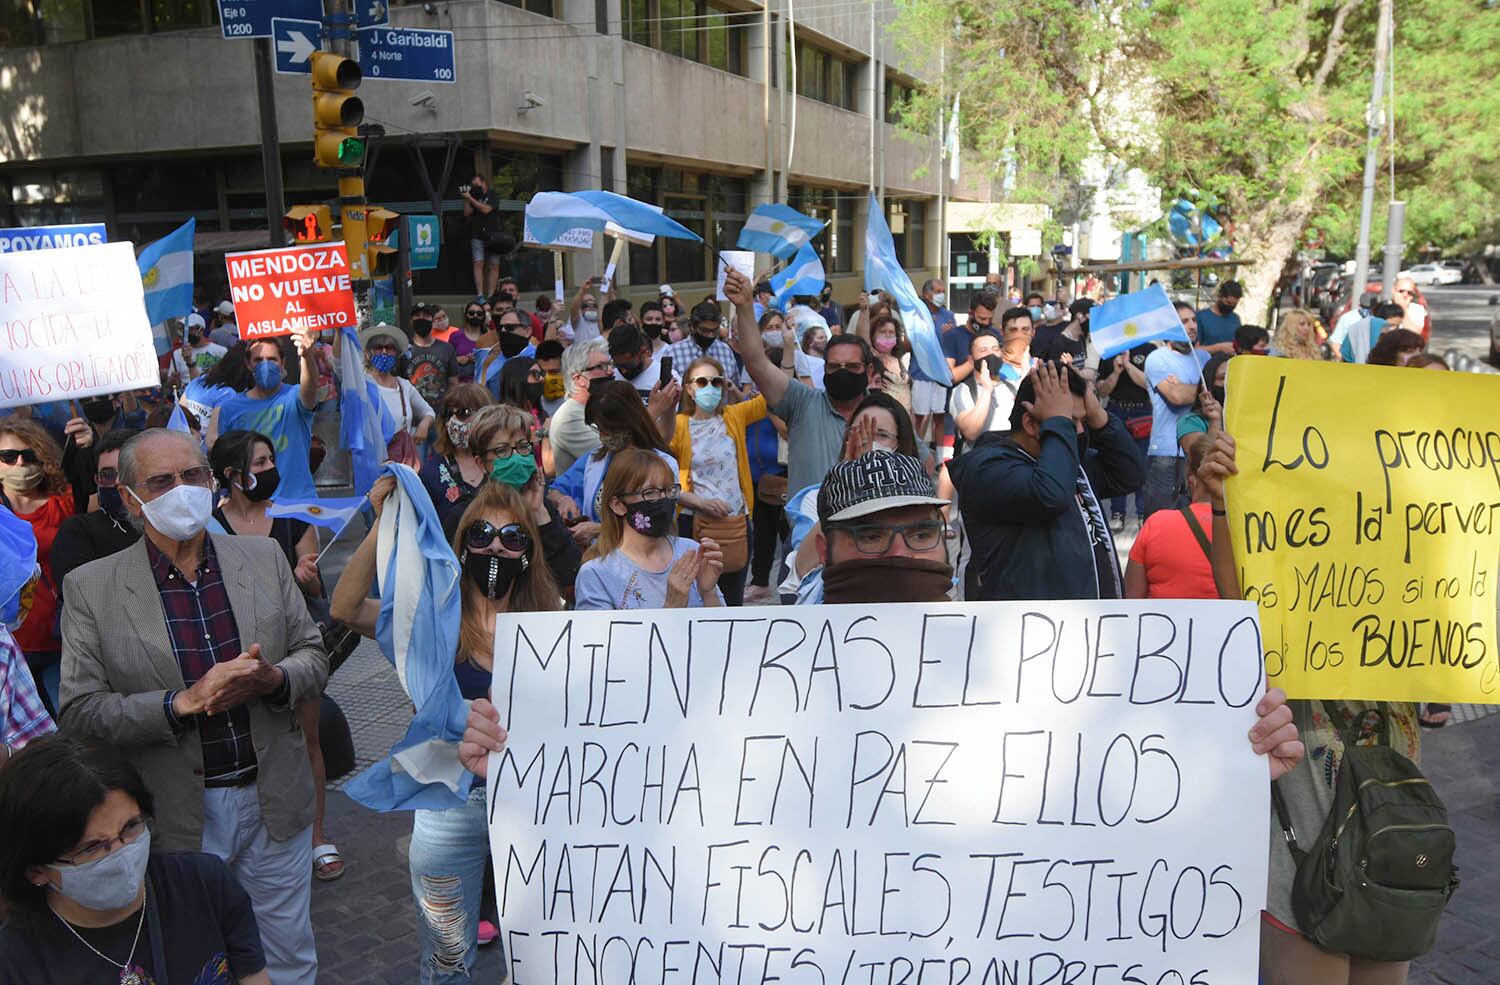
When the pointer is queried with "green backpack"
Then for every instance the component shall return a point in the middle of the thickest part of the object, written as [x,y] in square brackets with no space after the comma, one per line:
[1376,881]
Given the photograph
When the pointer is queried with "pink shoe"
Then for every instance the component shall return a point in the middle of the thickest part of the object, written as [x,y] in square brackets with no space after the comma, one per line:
[488,933]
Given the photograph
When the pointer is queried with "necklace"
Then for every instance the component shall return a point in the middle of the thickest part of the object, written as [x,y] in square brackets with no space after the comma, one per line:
[128,975]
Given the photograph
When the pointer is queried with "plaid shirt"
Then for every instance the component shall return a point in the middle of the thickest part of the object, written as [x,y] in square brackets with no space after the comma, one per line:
[203,632]
[685,352]
[22,715]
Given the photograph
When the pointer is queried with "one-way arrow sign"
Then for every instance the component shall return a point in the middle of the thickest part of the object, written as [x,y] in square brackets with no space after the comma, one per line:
[296,40]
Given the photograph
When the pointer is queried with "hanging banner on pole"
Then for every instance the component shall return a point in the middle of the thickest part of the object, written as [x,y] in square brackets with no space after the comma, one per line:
[983,792]
[73,324]
[1368,530]
[278,292]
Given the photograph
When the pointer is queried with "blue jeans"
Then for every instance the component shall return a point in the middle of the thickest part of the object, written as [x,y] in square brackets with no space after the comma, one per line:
[448,853]
[1164,478]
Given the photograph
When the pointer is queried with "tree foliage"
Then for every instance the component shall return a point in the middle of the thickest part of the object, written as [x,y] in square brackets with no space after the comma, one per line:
[1258,105]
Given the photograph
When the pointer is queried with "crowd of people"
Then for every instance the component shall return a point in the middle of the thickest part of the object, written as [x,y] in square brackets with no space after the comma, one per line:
[581,454]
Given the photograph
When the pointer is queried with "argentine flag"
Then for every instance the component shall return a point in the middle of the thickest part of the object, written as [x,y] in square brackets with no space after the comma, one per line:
[883,270]
[334,514]
[365,426]
[804,275]
[167,276]
[1131,319]
[549,215]
[779,230]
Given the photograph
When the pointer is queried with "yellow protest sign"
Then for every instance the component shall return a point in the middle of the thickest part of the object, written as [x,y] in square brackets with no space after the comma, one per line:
[1365,521]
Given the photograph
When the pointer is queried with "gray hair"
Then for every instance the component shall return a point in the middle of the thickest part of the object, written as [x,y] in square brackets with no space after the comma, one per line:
[576,359]
[136,446]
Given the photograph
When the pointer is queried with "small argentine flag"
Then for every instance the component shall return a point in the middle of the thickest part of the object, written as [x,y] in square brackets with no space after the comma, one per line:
[1131,319]
[167,276]
[334,514]
[804,275]
[779,230]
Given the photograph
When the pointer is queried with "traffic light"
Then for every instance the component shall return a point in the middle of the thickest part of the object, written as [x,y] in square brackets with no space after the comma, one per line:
[308,223]
[380,253]
[337,111]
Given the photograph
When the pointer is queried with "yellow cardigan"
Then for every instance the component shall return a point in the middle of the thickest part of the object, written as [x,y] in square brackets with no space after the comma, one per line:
[737,417]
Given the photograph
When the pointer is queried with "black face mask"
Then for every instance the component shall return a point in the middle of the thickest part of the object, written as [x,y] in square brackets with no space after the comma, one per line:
[194,337]
[110,501]
[994,363]
[651,519]
[99,410]
[845,384]
[475,319]
[421,327]
[512,344]
[652,330]
[630,372]
[265,486]
[534,392]
[887,579]
[1218,394]
[704,341]
[494,575]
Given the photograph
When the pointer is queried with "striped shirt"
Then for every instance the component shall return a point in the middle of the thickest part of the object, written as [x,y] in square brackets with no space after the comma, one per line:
[22,714]
[203,632]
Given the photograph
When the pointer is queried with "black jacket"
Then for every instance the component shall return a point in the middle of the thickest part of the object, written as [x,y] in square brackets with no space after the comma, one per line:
[1023,517]
[85,537]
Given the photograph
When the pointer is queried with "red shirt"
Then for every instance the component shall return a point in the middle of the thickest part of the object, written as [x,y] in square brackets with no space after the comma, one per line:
[1175,565]
[38,634]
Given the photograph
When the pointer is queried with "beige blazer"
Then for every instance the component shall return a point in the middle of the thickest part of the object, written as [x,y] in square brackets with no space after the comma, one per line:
[117,665]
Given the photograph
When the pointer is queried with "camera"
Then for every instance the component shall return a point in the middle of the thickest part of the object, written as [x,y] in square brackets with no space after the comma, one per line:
[464,189]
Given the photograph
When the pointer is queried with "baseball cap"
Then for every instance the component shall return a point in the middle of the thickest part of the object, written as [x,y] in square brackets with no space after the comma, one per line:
[224,308]
[874,482]
[195,320]
[666,291]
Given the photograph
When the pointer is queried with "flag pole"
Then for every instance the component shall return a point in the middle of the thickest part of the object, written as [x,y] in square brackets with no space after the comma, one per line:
[338,533]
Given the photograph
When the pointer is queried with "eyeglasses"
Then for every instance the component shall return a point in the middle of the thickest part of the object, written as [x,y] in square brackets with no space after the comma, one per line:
[107,478]
[95,850]
[11,456]
[717,382]
[858,367]
[482,533]
[511,326]
[522,447]
[652,494]
[198,475]
[608,366]
[875,539]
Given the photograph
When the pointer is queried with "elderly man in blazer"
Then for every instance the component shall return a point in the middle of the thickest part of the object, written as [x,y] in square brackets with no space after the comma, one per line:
[188,652]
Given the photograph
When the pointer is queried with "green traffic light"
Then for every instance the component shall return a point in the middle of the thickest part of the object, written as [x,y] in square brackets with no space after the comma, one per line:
[351,151]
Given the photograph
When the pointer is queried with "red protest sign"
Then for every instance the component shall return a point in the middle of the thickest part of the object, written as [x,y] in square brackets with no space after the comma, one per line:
[278,292]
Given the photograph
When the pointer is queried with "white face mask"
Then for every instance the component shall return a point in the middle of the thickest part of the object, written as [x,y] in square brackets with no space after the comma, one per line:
[940,299]
[181,512]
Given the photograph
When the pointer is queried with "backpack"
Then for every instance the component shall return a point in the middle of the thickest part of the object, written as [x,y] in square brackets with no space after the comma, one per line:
[1375,882]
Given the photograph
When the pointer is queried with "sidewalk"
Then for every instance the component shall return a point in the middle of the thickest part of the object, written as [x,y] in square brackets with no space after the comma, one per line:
[366,922]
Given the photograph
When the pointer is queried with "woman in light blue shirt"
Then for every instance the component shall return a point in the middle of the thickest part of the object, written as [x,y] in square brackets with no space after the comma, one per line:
[637,563]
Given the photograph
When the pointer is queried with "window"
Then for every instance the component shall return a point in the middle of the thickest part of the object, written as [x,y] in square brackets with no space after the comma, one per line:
[908,221]
[896,95]
[835,244]
[823,76]
[543,7]
[710,205]
[697,30]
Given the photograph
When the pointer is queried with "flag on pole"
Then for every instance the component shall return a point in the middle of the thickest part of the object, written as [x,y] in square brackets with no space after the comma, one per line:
[365,426]
[178,421]
[167,276]
[883,270]
[1130,319]
[803,276]
[779,230]
[417,629]
[333,514]
[551,214]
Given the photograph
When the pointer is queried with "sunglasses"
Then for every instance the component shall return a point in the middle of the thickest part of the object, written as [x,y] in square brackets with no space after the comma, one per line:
[717,382]
[462,413]
[482,533]
[11,456]
[107,478]
[198,475]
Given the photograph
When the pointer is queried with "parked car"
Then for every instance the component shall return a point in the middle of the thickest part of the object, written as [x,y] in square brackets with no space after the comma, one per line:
[1433,273]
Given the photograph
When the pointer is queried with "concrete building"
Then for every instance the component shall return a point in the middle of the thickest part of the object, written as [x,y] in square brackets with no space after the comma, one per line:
[141,115]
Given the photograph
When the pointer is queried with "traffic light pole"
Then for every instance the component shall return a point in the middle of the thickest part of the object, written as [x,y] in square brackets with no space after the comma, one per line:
[270,141]
[338,37]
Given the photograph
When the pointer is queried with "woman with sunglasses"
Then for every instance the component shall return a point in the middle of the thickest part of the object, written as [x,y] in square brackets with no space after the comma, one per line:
[466,339]
[32,486]
[452,474]
[88,901]
[408,408]
[637,563]
[522,383]
[498,548]
[714,466]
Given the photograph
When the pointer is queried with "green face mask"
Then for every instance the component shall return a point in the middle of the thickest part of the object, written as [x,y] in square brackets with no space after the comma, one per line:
[514,470]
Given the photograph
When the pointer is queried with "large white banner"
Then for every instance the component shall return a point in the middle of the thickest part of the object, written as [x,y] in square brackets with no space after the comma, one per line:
[73,324]
[1050,792]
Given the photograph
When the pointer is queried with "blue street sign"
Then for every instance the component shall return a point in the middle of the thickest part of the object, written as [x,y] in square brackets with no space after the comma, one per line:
[371,13]
[26,238]
[295,41]
[424,241]
[407,53]
[252,18]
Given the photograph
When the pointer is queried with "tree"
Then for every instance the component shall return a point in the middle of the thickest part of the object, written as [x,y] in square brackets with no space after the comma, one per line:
[1256,104]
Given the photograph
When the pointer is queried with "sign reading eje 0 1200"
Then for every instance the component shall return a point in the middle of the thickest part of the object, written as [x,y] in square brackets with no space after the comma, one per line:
[278,292]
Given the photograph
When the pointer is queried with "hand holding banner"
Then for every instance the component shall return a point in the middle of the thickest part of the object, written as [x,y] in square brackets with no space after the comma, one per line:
[1368,530]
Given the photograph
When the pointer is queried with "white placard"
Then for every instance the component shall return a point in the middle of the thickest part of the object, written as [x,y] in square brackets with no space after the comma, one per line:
[984,792]
[741,260]
[578,240]
[73,324]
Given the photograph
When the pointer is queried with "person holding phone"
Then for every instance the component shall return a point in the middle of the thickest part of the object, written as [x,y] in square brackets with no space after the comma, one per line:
[486,234]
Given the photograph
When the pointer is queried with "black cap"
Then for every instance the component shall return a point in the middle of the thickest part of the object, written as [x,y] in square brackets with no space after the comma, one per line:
[876,481]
